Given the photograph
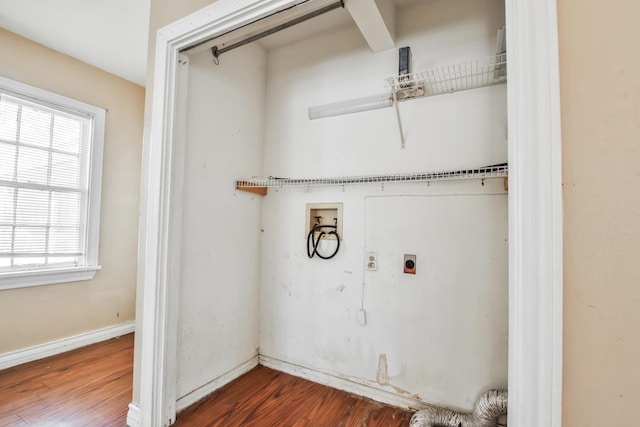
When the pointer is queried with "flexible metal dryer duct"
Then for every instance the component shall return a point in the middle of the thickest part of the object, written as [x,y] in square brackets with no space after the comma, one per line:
[486,411]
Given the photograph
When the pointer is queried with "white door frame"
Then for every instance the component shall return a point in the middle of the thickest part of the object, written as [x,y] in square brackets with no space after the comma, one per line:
[535,208]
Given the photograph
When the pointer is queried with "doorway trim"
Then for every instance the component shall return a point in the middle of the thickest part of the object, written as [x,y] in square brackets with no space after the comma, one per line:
[535,208]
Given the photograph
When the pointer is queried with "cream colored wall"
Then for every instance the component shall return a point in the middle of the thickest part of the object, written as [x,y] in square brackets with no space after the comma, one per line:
[600,96]
[41,314]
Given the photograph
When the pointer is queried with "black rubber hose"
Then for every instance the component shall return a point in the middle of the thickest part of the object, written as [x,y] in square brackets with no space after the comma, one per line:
[337,246]
[315,242]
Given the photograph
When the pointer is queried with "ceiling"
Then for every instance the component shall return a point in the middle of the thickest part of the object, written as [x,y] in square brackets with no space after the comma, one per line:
[108,34]
[329,21]
[111,34]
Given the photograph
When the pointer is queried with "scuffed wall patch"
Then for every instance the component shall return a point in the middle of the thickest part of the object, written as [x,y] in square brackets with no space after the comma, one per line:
[382,374]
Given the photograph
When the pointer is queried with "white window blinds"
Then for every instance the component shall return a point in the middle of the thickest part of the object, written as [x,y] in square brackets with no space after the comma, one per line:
[44,183]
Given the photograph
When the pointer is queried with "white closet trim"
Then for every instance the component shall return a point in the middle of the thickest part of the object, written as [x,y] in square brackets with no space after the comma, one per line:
[535,215]
[535,208]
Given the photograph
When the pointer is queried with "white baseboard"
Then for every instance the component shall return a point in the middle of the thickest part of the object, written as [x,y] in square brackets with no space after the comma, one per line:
[212,386]
[40,351]
[133,416]
[348,385]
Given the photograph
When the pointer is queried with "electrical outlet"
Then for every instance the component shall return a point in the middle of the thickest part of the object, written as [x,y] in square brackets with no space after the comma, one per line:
[409,264]
[372,261]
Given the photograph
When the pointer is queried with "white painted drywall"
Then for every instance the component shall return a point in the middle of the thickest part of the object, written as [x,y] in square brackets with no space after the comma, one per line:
[444,330]
[220,251]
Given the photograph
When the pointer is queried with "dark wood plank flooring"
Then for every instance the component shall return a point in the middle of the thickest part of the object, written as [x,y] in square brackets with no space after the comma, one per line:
[264,397]
[91,386]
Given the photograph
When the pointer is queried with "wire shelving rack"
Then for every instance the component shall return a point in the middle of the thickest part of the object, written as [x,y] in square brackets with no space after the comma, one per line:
[488,71]
[260,185]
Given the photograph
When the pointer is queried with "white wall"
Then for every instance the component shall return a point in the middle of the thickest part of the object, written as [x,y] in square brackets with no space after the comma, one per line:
[444,330]
[219,278]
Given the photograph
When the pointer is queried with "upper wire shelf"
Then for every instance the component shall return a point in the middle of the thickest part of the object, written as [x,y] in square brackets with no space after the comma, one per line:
[495,171]
[488,71]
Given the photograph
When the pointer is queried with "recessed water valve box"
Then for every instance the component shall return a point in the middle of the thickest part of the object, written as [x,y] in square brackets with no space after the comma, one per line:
[409,264]
[324,214]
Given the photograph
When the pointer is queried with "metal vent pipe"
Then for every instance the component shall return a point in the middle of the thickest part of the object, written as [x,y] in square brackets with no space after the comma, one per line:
[486,411]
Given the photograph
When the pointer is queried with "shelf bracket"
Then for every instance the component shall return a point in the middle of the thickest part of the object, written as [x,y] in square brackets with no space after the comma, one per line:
[249,187]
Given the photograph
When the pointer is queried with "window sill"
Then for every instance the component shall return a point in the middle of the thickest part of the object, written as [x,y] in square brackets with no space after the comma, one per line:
[25,279]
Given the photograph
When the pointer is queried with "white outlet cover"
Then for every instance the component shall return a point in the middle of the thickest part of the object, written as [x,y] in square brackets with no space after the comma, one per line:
[371,261]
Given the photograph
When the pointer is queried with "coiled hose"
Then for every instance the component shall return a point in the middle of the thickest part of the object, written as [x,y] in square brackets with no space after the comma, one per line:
[313,243]
[486,411]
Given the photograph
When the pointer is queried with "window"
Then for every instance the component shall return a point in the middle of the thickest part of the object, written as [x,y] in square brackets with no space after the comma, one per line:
[50,177]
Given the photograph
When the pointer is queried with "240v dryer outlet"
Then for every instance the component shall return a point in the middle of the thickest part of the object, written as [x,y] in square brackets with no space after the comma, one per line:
[409,264]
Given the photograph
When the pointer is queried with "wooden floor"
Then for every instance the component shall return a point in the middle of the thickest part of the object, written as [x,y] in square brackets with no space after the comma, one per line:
[264,397]
[92,387]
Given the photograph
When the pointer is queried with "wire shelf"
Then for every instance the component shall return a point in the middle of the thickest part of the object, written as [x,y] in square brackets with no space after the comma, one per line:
[483,72]
[486,172]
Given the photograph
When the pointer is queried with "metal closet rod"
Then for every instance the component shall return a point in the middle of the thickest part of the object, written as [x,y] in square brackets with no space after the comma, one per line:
[216,51]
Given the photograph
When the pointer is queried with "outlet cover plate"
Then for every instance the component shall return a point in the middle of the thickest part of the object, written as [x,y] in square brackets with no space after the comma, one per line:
[372,261]
[409,264]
